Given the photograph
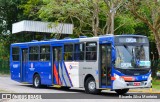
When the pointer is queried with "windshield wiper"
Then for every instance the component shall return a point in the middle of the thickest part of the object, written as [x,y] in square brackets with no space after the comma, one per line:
[133,58]
[126,47]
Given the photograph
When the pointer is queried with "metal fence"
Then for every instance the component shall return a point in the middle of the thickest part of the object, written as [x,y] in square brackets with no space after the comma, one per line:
[4,67]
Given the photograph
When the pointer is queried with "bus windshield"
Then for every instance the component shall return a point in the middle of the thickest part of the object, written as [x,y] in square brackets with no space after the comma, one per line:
[132,57]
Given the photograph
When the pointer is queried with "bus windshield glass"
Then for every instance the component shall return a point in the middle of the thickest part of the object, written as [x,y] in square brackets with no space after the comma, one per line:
[132,57]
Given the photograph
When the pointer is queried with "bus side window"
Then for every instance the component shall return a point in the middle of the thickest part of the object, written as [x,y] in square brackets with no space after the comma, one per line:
[91,51]
[68,52]
[34,53]
[44,53]
[79,52]
[15,54]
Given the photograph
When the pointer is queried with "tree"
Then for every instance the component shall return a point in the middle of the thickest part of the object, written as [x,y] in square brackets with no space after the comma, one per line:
[95,15]
[71,11]
[30,9]
[148,11]
[113,5]
[9,14]
[90,17]
[125,24]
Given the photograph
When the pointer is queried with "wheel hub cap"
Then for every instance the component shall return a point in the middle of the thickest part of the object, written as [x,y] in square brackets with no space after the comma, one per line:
[36,82]
[91,85]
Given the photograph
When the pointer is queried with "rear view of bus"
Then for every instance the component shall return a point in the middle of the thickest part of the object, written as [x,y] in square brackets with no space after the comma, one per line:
[132,63]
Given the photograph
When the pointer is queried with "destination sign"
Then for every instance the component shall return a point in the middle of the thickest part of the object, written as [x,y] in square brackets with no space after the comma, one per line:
[132,40]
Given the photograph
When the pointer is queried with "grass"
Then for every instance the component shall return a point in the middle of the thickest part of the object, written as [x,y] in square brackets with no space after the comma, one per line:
[156,84]
[6,91]
[4,74]
[3,91]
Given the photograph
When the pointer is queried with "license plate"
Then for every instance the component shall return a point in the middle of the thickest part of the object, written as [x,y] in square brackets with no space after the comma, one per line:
[136,83]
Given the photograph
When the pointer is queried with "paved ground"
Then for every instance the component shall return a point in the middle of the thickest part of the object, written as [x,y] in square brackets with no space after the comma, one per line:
[12,86]
[9,86]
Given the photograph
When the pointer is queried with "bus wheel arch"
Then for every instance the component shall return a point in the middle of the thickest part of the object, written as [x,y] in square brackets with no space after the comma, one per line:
[90,85]
[36,80]
[87,76]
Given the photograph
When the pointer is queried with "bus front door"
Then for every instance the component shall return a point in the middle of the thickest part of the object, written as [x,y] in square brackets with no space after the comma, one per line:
[24,61]
[57,57]
[105,65]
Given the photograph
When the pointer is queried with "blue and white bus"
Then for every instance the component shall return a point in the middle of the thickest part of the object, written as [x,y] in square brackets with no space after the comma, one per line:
[118,63]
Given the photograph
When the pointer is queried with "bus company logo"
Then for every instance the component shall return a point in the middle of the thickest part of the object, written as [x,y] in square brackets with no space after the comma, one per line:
[15,65]
[31,69]
[70,67]
[96,72]
[6,96]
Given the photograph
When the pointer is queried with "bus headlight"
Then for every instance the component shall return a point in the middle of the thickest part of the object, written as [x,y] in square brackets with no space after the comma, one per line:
[118,77]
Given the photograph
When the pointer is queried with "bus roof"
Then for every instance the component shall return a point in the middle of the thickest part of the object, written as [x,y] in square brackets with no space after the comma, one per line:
[73,40]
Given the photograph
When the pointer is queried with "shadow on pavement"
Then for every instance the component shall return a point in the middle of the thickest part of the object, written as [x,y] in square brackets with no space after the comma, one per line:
[109,94]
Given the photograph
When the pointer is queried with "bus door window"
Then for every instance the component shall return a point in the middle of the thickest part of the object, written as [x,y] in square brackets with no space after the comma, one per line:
[57,57]
[108,65]
[105,64]
[57,54]
[25,55]
[24,64]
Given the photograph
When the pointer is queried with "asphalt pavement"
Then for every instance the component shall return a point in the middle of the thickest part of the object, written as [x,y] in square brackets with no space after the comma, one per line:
[74,94]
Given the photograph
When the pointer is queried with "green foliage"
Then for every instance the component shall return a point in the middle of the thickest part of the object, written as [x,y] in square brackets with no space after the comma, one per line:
[10,13]
[147,9]
[125,24]
[67,12]
[148,12]
[30,8]
[81,13]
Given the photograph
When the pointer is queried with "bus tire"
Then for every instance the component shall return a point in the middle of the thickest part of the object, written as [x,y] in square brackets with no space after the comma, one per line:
[121,91]
[90,86]
[36,81]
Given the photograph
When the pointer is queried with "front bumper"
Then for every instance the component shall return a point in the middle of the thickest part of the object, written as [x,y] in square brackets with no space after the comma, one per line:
[121,84]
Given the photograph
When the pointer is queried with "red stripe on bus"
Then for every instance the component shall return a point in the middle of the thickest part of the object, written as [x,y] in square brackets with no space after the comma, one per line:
[56,75]
[124,77]
[113,78]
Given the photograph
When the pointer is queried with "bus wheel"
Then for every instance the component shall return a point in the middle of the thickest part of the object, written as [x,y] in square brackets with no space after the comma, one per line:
[90,86]
[37,81]
[121,91]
